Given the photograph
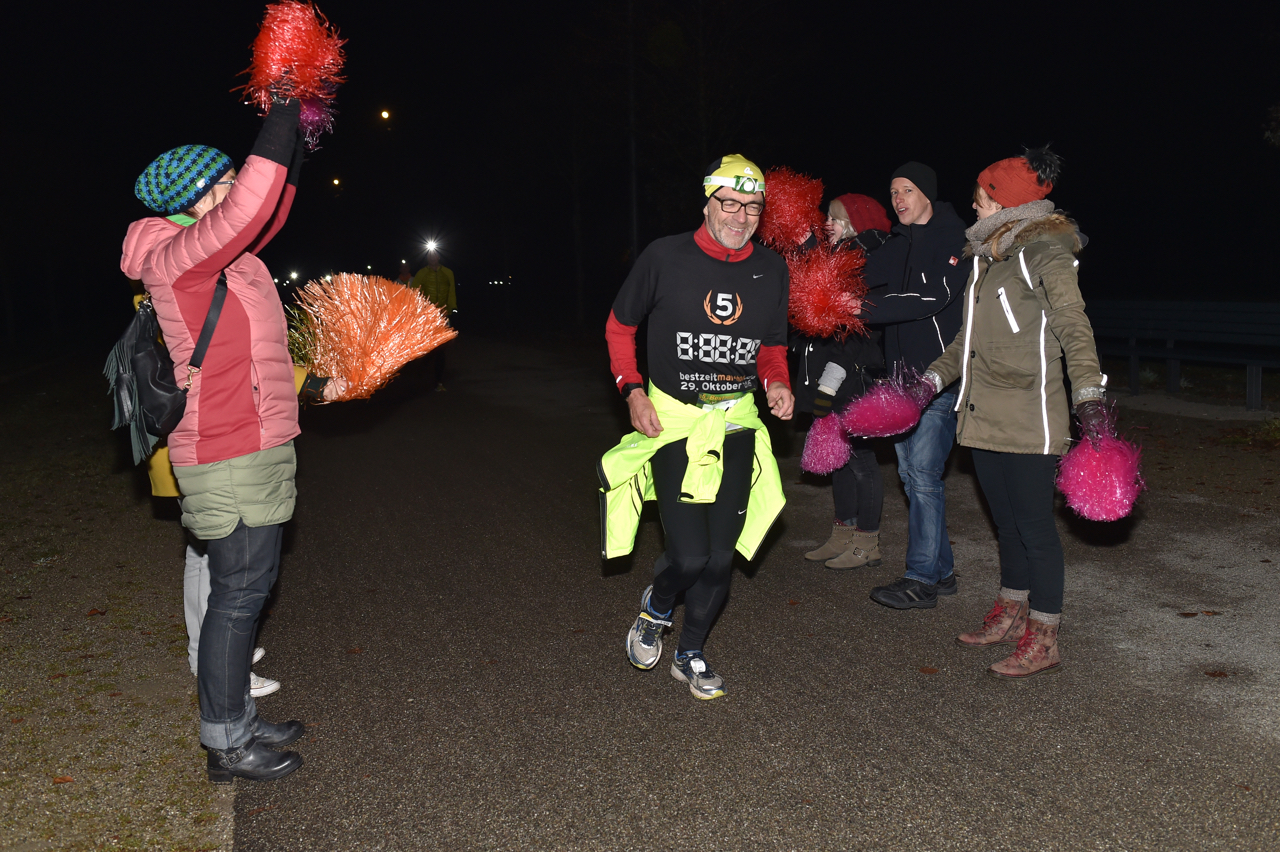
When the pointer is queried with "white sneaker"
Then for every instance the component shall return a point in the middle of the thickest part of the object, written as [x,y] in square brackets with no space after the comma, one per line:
[260,686]
[259,653]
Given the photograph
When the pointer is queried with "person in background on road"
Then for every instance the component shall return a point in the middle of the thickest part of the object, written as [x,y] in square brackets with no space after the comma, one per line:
[847,368]
[406,275]
[436,283]
[232,453]
[717,310]
[914,285]
[1024,328]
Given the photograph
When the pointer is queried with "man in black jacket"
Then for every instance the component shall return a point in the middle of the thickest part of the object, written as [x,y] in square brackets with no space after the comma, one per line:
[915,281]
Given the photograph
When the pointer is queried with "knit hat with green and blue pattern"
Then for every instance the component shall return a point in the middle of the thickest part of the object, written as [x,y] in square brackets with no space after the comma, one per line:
[177,179]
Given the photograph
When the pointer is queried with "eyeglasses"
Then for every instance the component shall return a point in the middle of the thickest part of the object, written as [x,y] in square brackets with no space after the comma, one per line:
[733,205]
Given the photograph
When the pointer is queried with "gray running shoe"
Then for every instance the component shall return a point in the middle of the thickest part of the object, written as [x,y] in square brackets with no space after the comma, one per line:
[693,669]
[644,639]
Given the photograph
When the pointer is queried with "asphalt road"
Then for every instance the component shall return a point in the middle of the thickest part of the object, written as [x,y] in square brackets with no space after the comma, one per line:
[446,628]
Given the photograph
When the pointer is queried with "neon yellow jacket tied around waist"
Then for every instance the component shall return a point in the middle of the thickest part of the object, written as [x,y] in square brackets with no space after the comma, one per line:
[627,477]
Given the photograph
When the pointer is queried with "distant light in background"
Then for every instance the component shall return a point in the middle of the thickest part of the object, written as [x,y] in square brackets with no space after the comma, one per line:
[432,245]
[335,181]
[293,276]
[386,114]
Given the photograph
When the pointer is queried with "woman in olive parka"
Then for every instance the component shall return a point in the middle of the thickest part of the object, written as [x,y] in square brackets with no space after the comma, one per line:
[1024,327]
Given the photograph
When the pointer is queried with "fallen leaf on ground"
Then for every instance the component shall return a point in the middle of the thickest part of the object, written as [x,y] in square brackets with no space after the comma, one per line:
[63,779]
[17,721]
[928,670]
[58,675]
[95,612]
[355,650]
[1245,787]
[793,603]
[1209,612]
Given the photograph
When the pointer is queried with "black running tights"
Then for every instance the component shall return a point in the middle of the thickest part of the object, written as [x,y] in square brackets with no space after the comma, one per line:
[700,537]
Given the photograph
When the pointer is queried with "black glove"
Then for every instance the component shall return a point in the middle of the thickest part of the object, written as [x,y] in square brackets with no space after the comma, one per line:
[295,166]
[278,136]
[312,389]
[1093,420]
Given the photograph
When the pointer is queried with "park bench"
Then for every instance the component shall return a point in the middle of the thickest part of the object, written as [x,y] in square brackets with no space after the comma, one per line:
[1245,333]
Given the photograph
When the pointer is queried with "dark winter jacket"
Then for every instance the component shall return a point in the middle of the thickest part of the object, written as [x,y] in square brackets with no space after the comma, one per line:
[1024,327]
[914,284]
[860,355]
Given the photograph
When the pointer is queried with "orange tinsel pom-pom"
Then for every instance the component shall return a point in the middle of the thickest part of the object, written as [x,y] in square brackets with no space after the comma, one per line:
[297,54]
[793,209]
[364,329]
[826,290]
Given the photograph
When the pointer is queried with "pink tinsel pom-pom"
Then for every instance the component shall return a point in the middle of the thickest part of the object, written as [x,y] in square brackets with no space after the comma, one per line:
[793,209]
[1101,484]
[826,291]
[316,118]
[826,449]
[892,407]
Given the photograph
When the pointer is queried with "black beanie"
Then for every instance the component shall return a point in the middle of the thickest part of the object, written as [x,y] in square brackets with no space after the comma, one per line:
[925,178]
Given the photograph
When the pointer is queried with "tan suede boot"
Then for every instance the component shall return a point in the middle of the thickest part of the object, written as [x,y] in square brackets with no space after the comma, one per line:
[837,544]
[1004,625]
[1037,653]
[864,549]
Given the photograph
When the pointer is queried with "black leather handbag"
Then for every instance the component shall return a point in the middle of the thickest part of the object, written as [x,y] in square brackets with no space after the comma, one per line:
[140,372]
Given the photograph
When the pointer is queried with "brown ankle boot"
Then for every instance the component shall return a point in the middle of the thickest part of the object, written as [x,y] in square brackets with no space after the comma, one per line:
[837,544]
[864,549]
[1004,625]
[1037,653]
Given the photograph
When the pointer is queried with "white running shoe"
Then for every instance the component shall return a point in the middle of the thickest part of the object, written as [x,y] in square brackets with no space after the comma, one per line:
[260,686]
[644,639]
[693,669]
[259,653]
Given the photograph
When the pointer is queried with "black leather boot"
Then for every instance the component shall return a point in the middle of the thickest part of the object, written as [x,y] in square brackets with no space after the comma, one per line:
[253,761]
[275,735]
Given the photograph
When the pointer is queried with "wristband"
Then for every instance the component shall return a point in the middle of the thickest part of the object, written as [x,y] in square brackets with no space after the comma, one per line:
[629,387]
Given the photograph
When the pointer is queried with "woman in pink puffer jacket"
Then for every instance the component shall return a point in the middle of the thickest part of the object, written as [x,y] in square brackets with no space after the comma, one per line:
[232,452]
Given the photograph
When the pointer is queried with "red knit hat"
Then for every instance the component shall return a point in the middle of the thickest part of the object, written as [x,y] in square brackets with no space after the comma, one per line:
[865,213]
[1014,182]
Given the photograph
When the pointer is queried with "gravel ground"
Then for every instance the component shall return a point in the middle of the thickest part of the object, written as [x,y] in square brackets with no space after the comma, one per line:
[1172,606]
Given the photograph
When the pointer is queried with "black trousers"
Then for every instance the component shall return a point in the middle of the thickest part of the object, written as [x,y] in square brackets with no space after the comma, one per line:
[858,487]
[700,537]
[1019,490]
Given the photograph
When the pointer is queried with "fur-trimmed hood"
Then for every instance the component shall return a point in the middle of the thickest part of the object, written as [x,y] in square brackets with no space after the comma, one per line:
[1056,227]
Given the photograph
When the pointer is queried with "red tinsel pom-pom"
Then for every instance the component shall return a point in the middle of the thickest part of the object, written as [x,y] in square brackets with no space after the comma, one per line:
[826,291]
[826,449]
[793,209]
[297,54]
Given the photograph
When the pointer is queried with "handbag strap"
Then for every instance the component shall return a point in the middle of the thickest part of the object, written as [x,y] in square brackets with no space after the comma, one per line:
[206,333]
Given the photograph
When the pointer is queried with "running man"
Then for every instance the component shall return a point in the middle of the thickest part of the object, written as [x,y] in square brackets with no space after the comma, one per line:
[717,310]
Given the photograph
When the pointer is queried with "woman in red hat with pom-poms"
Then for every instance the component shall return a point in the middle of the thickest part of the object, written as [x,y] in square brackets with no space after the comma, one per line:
[832,370]
[1024,328]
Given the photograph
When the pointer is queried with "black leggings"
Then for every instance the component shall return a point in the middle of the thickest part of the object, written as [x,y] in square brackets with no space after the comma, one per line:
[858,487]
[700,537]
[1019,490]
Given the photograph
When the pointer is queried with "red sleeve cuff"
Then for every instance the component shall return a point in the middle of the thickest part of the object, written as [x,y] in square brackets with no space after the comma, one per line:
[771,365]
[622,352]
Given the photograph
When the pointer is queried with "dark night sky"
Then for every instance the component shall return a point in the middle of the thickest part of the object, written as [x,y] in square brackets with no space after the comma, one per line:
[495,110]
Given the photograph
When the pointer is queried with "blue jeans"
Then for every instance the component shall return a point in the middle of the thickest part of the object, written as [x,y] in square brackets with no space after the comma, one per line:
[922,458]
[242,569]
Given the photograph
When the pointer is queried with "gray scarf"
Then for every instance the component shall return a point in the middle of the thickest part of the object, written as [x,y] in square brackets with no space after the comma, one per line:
[1024,215]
